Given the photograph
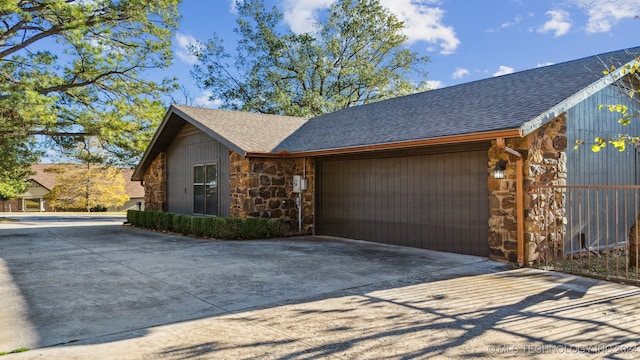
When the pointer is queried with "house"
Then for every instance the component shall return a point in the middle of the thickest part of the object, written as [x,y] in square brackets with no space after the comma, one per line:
[41,183]
[415,170]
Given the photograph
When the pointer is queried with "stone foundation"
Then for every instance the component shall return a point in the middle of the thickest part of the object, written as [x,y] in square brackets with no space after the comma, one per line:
[155,184]
[263,187]
[544,164]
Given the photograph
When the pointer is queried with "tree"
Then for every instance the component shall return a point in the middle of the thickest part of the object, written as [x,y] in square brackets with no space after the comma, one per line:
[87,186]
[355,55]
[627,80]
[72,68]
[16,154]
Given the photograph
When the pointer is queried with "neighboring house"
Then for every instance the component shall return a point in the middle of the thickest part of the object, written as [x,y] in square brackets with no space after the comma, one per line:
[41,183]
[414,171]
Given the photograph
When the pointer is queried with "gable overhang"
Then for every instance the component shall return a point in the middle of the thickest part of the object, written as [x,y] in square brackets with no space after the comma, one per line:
[443,140]
[153,149]
[216,136]
[38,183]
[573,100]
[172,122]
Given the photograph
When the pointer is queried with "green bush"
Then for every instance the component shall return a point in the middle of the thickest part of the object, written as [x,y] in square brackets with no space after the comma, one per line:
[130,215]
[207,226]
[253,227]
[166,222]
[196,226]
[148,219]
[133,217]
[182,224]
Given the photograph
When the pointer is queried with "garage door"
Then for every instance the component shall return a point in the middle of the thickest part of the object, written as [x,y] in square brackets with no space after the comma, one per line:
[432,201]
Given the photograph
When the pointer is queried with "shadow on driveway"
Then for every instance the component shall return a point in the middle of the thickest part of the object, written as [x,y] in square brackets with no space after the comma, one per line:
[104,290]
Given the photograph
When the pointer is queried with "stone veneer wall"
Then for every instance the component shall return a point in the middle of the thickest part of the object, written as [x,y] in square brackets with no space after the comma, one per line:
[155,184]
[262,187]
[544,164]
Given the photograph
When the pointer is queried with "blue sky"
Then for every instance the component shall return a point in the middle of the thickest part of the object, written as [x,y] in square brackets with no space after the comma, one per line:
[466,40]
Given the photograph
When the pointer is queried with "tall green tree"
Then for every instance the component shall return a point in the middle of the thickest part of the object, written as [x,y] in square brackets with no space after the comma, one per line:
[73,68]
[356,54]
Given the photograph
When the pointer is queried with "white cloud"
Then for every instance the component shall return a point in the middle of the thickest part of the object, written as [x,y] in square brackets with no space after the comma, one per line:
[507,24]
[460,73]
[545,64]
[604,14]
[559,23]
[184,42]
[302,14]
[434,84]
[205,101]
[503,70]
[232,7]
[423,21]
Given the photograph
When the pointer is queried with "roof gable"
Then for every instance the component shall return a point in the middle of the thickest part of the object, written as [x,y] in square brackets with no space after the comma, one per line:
[519,101]
[503,106]
[242,132]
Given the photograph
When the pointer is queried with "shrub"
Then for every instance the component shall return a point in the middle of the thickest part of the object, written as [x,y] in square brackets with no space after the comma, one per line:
[277,228]
[131,214]
[210,227]
[148,219]
[166,221]
[181,224]
[196,226]
[135,218]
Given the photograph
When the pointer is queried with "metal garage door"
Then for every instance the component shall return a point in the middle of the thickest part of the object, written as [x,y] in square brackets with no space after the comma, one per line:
[432,201]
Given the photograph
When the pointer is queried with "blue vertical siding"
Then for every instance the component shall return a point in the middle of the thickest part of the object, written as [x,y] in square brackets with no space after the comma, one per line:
[609,166]
[592,213]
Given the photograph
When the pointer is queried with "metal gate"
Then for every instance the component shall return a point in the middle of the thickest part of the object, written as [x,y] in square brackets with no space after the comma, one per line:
[589,230]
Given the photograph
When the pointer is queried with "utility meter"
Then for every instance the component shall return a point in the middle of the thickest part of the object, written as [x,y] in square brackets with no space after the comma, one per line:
[297,183]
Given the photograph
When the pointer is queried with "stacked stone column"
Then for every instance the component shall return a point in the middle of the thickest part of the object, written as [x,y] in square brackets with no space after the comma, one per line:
[544,215]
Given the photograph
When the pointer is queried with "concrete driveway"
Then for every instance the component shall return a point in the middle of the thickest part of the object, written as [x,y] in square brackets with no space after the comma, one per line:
[87,287]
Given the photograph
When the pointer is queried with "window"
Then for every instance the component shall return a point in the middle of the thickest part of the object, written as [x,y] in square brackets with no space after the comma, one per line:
[32,205]
[205,189]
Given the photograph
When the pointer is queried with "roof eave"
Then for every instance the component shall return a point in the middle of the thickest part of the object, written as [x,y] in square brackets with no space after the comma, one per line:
[444,140]
[223,140]
[535,123]
[39,183]
[145,161]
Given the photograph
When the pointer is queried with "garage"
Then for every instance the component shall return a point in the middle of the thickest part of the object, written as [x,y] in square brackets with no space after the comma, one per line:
[432,198]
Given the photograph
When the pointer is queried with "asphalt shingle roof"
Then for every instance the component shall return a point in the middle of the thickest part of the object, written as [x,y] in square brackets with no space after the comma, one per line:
[244,131]
[520,101]
[498,103]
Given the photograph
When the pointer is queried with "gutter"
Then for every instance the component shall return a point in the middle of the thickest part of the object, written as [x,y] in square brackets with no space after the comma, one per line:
[445,140]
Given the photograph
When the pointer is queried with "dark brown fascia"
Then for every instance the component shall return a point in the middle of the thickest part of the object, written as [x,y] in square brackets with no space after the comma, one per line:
[445,140]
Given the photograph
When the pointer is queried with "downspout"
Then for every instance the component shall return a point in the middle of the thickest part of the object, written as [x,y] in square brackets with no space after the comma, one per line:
[302,189]
[519,197]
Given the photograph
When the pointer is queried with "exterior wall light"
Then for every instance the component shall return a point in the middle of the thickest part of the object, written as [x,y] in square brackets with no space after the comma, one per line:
[498,171]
